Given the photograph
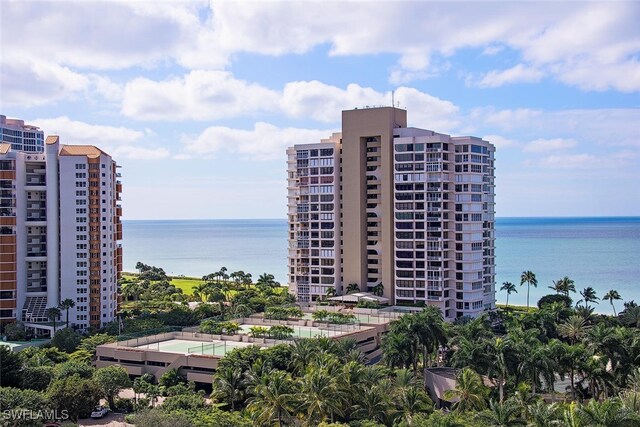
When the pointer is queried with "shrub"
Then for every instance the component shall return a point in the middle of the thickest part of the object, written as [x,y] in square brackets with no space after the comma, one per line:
[66,340]
[258,331]
[184,402]
[341,318]
[216,327]
[90,343]
[37,377]
[283,313]
[550,299]
[74,394]
[10,367]
[70,368]
[15,331]
[280,332]
[124,405]
[320,315]
[171,378]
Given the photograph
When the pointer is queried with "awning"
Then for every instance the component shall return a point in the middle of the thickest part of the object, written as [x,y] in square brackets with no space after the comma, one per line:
[359,296]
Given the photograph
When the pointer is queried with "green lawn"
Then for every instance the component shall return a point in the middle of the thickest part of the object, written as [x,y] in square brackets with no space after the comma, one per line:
[185,283]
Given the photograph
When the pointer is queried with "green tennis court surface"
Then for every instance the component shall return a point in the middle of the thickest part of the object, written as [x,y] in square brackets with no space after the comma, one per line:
[217,348]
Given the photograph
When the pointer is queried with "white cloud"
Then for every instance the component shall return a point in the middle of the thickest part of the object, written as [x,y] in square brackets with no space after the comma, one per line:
[500,141]
[76,132]
[199,95]
[51,48]
[212,95]
[117,141]
[606,127]
[504,119]
[32,83]
[428,111]
[588,44]
[517,74]
[139,153]
[544,145]
[264,142]
[99,35]
[589,162]
[325,102]
[108,89]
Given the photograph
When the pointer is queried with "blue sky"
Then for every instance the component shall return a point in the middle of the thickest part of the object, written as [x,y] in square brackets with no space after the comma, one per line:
[198,100]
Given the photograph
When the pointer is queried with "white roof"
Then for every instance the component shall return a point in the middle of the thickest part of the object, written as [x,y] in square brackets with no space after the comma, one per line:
[360,296]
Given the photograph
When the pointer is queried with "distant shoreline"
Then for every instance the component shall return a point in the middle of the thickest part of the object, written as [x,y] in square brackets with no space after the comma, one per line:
[284,219]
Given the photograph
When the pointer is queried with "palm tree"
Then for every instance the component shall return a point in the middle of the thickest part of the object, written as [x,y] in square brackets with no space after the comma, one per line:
[320,396]
[510,288]
[222,274]
[331,292]
[266,280]
[66,305]
[543,415]
[352,287]
[631,316]
[608,413]
[537,363]
[397,351]
[563,286]
[502,414]
[574,328]
[431,334]
[131,290]
[611,296]
[469,393]
[373,404]
[53,313]
[498,370]
[228,384]
[588,295]
[302,353]
[412,401]
[246,280]
[378,289]
[273,400]
[574,354]
[529,278]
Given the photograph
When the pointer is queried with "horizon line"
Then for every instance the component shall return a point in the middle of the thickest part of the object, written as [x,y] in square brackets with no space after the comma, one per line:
[284,218]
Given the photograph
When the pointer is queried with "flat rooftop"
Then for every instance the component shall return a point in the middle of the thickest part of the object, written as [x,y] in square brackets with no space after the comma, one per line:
[309,331]
[179,346]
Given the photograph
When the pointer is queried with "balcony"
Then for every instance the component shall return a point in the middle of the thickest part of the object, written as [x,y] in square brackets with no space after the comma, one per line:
[37,217]
[35,182]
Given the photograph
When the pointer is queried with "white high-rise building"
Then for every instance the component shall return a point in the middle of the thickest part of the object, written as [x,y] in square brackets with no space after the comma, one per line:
[412,217]
[59,232]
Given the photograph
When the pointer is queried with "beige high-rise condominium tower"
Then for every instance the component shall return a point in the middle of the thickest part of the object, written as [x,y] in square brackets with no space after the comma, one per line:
[405,212]
[59,232]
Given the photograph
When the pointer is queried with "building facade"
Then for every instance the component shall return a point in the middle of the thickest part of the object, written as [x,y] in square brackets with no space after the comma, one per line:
[416,216]
[59,232]
[20,136]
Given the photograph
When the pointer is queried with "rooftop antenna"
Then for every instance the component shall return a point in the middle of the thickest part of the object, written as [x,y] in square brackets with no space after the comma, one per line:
[393,98]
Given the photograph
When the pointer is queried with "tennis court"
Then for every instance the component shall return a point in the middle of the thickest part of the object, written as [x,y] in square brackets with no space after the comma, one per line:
[216,347]
[309,331]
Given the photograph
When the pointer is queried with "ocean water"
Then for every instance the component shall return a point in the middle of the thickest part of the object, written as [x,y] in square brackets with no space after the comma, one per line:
[603,253]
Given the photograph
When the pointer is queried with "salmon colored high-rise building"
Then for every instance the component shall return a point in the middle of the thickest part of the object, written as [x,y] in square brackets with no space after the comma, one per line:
[59,235]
